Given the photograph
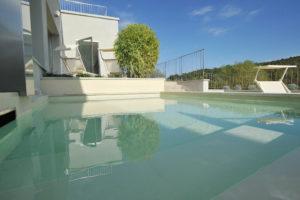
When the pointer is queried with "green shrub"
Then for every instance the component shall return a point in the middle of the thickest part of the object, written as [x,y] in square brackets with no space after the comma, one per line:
[137,50]
[292,86]
[115,75]
[252,87]
[238,87]
[226,88]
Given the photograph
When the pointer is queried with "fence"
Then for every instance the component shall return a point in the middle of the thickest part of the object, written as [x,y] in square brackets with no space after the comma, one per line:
[244,79]
[81,7]
[179,68]
[239,76]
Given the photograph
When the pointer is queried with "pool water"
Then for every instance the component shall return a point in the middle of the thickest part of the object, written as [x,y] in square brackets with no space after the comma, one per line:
[168,149]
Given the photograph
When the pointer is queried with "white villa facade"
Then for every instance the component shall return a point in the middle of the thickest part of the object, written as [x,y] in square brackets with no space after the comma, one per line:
[79,26]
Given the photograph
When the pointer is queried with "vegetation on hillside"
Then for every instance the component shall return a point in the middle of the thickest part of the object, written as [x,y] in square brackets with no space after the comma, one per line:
[243,74]
[137,50]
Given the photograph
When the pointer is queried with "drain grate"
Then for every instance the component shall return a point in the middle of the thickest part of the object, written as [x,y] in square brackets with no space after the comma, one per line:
[7,116]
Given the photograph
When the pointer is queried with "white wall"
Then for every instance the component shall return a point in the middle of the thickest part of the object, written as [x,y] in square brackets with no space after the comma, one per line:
[100,86]
[77,26]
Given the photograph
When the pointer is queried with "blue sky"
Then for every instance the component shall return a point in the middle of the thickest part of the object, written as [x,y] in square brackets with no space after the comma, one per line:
[229,31]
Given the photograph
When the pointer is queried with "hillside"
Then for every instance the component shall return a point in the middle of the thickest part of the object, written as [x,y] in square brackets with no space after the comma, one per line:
[286,61]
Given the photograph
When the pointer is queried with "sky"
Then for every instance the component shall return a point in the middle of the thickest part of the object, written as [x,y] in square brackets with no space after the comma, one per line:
[229,31]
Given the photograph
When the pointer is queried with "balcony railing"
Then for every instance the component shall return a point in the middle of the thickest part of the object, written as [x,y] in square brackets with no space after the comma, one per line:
[81,7]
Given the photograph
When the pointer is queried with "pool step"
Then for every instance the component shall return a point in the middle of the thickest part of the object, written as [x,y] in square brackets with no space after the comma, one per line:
[7,116]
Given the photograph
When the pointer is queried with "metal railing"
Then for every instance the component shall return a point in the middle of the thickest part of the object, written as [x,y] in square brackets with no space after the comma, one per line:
[82,7]
[90,172]
[175,68]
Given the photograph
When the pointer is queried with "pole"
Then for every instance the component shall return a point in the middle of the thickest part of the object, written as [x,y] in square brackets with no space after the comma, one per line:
[203,63]
[297,76]
[92,58]
[165,69]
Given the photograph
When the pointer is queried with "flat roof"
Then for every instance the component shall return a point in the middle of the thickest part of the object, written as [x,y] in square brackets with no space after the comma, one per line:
[277,66]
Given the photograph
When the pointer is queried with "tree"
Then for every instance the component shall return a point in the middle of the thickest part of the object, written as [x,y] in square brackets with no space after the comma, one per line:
[137,50]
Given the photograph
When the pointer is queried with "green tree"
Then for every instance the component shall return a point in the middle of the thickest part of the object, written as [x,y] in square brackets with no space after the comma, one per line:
[137,51]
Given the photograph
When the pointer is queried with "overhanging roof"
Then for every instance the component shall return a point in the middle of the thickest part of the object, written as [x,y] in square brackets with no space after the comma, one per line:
[277,66]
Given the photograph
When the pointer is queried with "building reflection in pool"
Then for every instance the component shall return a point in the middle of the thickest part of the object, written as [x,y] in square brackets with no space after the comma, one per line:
[74,149]
[99,143]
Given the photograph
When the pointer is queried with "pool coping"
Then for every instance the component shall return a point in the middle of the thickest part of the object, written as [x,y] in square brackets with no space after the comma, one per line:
[239,96]
[256,94]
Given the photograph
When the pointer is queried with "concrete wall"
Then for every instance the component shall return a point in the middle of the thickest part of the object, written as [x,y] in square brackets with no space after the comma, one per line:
[77,26]
[22,105]
[101,86]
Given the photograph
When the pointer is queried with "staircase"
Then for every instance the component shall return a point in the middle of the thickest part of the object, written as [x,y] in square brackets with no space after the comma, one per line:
[173,86]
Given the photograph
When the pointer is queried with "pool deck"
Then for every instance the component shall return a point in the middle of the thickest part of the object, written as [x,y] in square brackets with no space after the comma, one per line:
[279,180]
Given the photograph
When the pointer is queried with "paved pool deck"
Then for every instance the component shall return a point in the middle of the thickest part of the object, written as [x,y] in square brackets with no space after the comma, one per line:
[279,180]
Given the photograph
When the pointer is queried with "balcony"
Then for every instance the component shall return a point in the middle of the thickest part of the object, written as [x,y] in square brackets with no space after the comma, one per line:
[81,7]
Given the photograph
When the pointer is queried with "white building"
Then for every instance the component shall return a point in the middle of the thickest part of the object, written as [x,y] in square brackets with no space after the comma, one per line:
[86,33]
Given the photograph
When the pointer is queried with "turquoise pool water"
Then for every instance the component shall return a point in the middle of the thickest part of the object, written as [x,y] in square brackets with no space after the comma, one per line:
[171,148]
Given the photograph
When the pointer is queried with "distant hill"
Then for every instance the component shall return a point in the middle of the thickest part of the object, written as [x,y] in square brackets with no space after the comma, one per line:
[286,61]
[243,73]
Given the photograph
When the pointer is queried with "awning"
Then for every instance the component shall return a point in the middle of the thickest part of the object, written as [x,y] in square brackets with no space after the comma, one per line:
[277,66]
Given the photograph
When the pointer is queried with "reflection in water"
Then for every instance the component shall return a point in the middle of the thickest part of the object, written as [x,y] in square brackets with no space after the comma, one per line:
[282,117]
[188,150]
[93,147]
[138,137]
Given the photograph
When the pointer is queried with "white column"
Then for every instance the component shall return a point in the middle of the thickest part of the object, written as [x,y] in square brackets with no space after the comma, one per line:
[39,30]
[204,85]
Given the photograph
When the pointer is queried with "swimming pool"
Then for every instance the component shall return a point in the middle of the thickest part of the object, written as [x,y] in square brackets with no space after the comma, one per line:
[175,147]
